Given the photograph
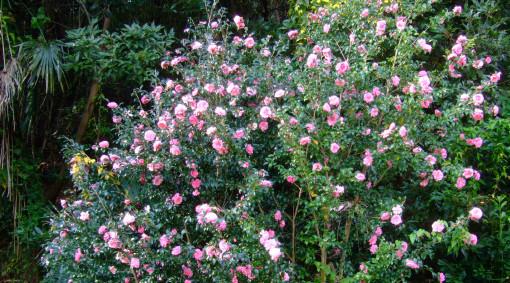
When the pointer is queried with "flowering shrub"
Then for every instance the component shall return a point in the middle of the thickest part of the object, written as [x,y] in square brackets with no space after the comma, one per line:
[321,155]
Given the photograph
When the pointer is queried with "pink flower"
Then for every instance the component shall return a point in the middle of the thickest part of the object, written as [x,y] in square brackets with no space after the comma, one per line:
[495,77]
[78,255]
[423,45]
[112,269]
[317,167]
[265,112]
[164,241]
[442,278]
[220,111]
[395,80]
[477,114]
[293,34]
[401,23]
[112,105]
[239,22]
[157,180]
[437,226]
[457,10]
[326,28]
[385,216]
[364,13]
[176,250]
[128,219]
[249,149]
[198,254]
[291,179]
[263,126]
[471,240]
[279,93]
[104,144]
[380,27]
[342,67]
[84,216]
[396,220]
[305,140]
[177,199]
[311,61]
[360,177]
[461,182]
[135,263]
[475,213]
[278,215]
[149,135]
[368,97]
[397,210]
[412,264]
[249,42]
[438,175]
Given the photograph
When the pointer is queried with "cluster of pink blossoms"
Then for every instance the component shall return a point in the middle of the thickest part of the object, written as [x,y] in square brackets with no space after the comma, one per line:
[271,245]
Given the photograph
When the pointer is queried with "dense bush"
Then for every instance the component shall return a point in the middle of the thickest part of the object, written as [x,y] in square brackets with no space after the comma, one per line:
[328,153]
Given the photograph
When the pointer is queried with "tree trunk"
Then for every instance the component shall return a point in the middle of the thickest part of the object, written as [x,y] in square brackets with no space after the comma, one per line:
[91,101]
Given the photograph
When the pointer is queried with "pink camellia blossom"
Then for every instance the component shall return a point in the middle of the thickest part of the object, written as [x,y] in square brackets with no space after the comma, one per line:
[305,140]
[401,23]
[317,167]
[128,219]
[293,34]
[380,27]
[396,220]
[397,210]
[364,13]
[395,80]
[84,216]
[438,175]
[326,28]
[135,263]
[278,215]
[291,179]
[412,264]
[263,126]
[265,112]
[437,226]
[104,144]
[495,77]
[279,93]
[157,180]
[342,67]
[457,10]
[374,112]
[360,177]
[196,45]
[198,254]
[78,255]
[475,213]
[368,97]
[112,269]
[177,199]
[239,21]
[112,105]
[249,42]
[220,111]
[311,61]
[164,241]
[186,271]
[211,217]
[423,45]
[385,216]
[149,135]
[457,49]
[461,182]
[472,239]
[176,250]
[249,149]
[334,100]
[477,114]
